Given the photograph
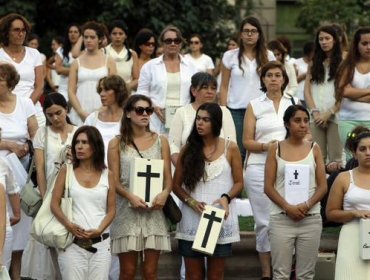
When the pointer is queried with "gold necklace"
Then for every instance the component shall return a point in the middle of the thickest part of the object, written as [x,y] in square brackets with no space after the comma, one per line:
[14,55]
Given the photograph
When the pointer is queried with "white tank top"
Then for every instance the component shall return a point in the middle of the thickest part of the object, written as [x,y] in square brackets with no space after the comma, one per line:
[356,198]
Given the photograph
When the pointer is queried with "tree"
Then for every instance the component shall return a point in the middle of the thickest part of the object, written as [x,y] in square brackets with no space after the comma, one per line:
[350,13]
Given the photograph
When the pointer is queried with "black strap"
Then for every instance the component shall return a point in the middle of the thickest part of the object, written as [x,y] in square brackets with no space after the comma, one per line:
[137,150]
[292,99]
[279,149]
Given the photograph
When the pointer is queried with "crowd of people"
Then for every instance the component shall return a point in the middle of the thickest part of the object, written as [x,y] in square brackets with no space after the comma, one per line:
[257,119]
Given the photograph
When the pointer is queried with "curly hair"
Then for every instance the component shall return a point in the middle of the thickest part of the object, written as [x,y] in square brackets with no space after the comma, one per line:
[6,23]
[9,74]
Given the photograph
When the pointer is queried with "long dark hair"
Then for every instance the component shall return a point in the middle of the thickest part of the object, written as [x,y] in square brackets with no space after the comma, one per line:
[55,98]
[121,25]
[261,50]
[67,46]
[96,142]
[354,137]
[318,70]
[126,126]
[142,37]
[290,113]
[193,156]
[347,68]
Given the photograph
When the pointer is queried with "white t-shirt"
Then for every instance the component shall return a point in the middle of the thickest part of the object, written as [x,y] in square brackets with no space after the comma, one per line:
[243,87]
[302,67]
[26,70]
[14,125]
[202,63]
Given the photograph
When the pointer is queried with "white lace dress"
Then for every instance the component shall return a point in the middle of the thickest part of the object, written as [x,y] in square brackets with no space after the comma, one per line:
[219,180]
[135,229]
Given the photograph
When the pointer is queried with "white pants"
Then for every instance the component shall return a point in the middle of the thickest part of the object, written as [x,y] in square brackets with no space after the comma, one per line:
[114,268]
[260,203]
[8,247]
[77,263]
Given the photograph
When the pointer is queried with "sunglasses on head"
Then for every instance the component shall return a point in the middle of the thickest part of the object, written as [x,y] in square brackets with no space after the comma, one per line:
[149,44]
[169,41]
[140,110]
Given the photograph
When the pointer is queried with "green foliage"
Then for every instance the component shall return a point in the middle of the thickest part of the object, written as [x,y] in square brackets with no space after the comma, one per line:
[350,13]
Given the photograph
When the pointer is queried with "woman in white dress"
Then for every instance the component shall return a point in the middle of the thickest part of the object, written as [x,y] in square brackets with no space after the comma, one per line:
[2,224]
[85,73]
[202,61]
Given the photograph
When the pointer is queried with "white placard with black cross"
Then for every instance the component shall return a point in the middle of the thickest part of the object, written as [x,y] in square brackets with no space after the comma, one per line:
[297,182]
[365,239]
[146,178]
[208,231]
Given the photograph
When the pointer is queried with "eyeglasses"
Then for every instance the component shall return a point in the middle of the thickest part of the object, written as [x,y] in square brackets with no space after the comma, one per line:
[194,42]
[149,44]
[250,31]
[140,110]
[169,41]
[19,30]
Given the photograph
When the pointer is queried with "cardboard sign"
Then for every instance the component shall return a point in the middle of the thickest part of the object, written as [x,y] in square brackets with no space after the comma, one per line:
[365,239]
[209,229]
[146,178]
[297,183]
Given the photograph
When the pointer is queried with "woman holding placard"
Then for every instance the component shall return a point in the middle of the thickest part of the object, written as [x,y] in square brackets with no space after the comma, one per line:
[137,228]
[348,202]
[208,171]
[295,182]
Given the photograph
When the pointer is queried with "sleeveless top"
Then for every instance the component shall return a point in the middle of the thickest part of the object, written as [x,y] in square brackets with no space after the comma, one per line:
[218,180]
[280,180]
[89,204]
[356,198]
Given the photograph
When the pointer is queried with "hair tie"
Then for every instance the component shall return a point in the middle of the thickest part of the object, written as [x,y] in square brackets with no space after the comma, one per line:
[351,135]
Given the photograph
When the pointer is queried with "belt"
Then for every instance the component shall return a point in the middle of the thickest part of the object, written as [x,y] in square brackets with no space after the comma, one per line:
[307,215]
[87,243]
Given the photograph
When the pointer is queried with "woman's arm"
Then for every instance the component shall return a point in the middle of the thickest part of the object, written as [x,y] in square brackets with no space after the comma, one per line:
[59,67]
[32,126]
[72,91]
[112,67]
[40,171]
[225,80]
[134,73]
[39,84]
[76,49]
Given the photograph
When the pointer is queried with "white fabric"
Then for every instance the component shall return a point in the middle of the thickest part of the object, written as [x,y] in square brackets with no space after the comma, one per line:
[280,180]
[242,87]
[63,80]
[323,94]
[89,204]
[54,147]
[182,124]
[355,110]
[124,66]
[269,123]
[219,180]
[108,130]
[203,63]
[21,232]
[55,77]
[173,89]
[292,86]
[302,67]
[153,83]
[86,90]
[8,247]
[356,198]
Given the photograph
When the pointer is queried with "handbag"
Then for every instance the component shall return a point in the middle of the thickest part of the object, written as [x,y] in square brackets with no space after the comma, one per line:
[46,228]
[170,209]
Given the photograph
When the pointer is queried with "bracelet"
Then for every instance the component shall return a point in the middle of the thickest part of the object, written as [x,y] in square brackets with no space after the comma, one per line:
[192,202]
[227,197]
[306,203]
[314,110]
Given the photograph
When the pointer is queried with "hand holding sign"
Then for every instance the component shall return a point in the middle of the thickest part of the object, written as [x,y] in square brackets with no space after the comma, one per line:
[137,202]
[160,200]
[224,203]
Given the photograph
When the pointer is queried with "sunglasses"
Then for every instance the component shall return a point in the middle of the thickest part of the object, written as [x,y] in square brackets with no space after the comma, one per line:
[169,41]
[140,110]
[194,42]
[149,44]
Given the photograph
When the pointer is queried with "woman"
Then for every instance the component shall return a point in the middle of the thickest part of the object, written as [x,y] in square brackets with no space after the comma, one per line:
[203,89]
[166,79]
[14,29]
[145,46]
[196,56]
[52,77]
[19,125]
[64,58]
[92,190]
[113,94]
[263,126]
[3,214]
[85,72]
[137,229]
[280,53]
[353,86]
[118,50]
[209,171]
[240,70]
[348,202]
[295,223]
[52,148]
[320,96]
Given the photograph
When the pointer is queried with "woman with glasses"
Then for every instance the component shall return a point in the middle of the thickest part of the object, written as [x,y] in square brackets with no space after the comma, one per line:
[202,61]
[166,80]
[138,230]
[240,69]
[14,29]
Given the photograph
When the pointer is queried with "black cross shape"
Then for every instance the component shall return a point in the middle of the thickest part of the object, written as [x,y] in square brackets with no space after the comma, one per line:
[296,174]
[211,218]
[148,175]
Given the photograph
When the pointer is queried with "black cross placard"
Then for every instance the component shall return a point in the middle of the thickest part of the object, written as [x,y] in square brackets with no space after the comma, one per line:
[211,219]
[296,174]
[148,175]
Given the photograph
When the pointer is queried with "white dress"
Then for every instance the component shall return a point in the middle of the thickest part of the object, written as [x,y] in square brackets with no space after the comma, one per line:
[86,90]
